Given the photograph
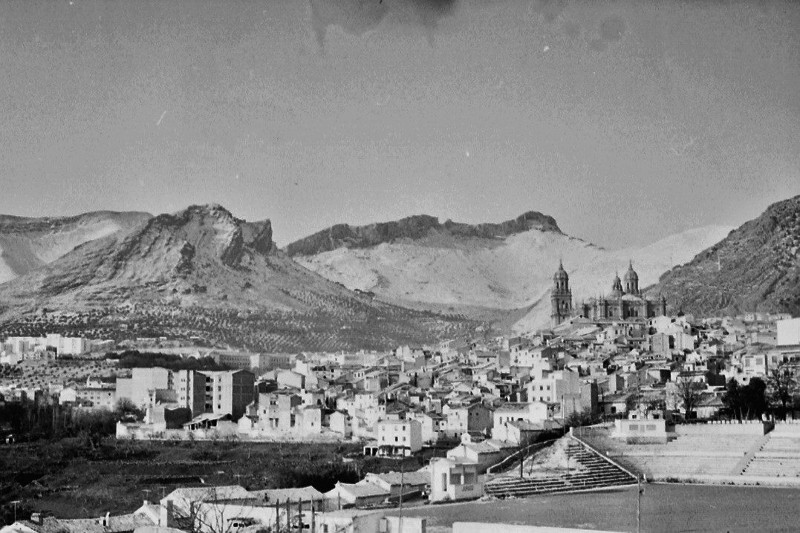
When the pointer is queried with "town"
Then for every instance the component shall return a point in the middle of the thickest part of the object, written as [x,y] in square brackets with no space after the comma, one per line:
[614,392]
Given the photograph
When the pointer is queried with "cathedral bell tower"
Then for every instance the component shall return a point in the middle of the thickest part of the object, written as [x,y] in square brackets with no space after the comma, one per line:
[560,297]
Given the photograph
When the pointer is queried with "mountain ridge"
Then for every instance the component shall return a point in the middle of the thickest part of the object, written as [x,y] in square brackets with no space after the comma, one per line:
[414,227]
[27,243]
[203,272]
[755,268]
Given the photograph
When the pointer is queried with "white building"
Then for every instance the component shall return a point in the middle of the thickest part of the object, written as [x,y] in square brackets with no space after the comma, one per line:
[454,479]
[788,332]
[143,383]
[62,345]
[399,437]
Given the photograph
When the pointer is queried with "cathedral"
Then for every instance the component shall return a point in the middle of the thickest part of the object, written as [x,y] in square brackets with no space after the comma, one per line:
[624,303]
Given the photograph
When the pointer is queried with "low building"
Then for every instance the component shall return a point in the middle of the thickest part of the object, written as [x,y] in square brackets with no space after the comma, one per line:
[412,483]
[454,479]
[361,494]
[644,427]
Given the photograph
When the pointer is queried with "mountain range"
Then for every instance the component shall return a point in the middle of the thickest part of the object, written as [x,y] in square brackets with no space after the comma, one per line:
[497,272]
[204,273]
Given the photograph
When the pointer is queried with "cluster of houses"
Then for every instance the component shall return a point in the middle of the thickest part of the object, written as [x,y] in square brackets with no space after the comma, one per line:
[399,401]
[482,398]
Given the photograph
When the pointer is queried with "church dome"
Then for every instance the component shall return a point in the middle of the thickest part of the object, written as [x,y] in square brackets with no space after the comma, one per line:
[631,274]
[616,286]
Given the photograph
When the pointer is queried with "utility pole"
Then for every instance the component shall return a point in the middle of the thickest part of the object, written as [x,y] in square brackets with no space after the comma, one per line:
[402,479]
[638,503]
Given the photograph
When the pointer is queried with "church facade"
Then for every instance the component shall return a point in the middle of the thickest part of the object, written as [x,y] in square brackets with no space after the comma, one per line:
[625,302]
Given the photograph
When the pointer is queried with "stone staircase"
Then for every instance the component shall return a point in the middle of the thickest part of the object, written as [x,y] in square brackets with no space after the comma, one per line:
[597,473]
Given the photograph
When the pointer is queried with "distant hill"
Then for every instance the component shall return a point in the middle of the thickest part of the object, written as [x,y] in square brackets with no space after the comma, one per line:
[203,272]
[755,268]
[414,228]
[488,271]
[28,243]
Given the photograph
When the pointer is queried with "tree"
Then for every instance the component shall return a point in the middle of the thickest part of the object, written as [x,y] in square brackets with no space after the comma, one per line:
[754,399]
[781,387]
[732,399]
[125,408]
[688,392]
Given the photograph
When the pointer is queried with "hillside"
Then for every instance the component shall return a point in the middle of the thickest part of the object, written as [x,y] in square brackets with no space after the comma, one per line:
[203,272]
[756,268]
[28,243]
[475,274]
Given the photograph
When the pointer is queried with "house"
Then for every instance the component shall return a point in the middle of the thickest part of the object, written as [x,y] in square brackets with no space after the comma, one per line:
[481,454]
[281,496]
[454,479]
[359,494]
[413,483]
[709,406]
[431,425]
[349,521]
[518,432]
[290,379]
[399,437]
[615,403]
[474,418]
[521,412]
[340,422]
[39,523]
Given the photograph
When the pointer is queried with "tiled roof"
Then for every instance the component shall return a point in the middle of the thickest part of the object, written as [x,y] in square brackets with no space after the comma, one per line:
[294,494]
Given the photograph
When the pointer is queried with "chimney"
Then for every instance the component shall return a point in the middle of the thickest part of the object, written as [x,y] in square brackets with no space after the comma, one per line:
[167,516]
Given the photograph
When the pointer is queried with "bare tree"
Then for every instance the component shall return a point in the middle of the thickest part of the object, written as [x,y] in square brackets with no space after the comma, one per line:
[688,392]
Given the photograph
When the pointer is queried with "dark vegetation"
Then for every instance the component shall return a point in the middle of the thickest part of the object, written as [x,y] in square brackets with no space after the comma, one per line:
[136,359]
[745,402]
[74,479]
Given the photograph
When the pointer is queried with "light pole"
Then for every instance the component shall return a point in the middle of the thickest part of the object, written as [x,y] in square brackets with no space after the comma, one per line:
[15,503]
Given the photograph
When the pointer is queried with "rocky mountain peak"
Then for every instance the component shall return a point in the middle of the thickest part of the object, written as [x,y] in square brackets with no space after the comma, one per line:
[414,228]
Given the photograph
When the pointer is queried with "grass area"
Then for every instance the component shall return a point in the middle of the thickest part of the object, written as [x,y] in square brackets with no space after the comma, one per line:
[73,480]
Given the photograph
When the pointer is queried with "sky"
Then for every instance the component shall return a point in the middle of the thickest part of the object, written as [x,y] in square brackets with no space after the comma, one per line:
[626,121]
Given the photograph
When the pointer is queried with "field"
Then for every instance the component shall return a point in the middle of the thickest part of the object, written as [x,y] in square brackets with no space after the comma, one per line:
[75,481]
[664,508]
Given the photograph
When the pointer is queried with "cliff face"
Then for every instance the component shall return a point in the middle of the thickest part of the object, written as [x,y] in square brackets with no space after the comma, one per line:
[414,228]
[756,267]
